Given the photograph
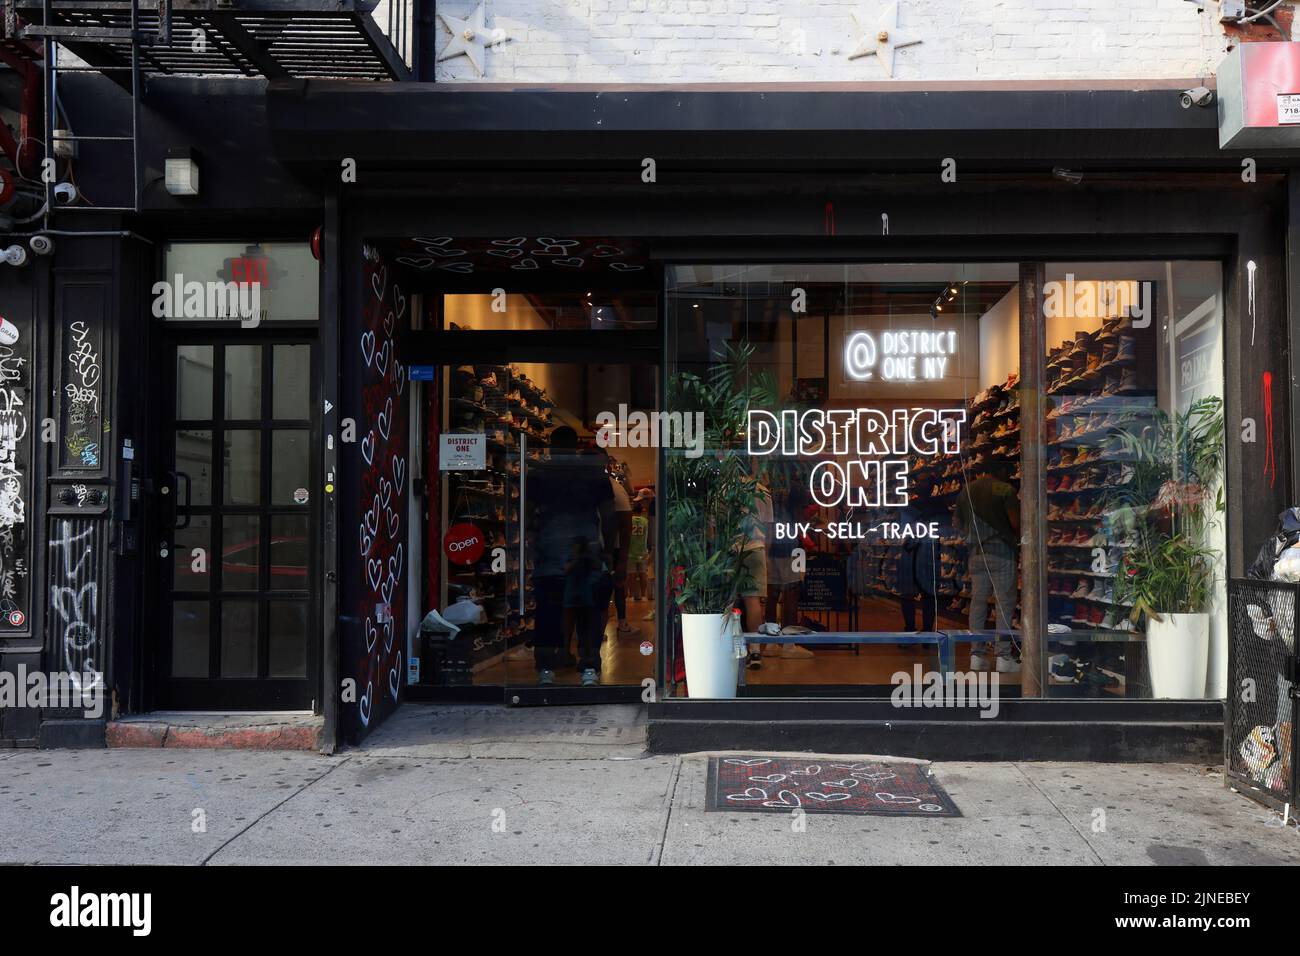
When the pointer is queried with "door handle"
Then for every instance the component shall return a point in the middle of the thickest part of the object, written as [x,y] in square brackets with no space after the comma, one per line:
[175,525]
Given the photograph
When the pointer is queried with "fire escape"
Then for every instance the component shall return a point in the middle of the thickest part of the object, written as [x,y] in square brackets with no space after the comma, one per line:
[129,41]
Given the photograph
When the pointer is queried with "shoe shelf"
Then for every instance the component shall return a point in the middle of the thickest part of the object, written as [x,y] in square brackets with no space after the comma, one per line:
[504,404]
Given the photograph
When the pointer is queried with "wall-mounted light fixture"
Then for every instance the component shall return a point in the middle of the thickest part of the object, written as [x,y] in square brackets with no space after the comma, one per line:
[181,172]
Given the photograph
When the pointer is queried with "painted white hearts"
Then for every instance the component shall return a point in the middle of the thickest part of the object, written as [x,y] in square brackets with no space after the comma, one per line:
[381,357]
[828,797]
[395,566]
[371,635]
[363,705]
[877,777]
[399,474]
[366,539]
[393,677]
[847,783]
[812,771]
[750,795]
[379,282]
[394,523]
[371,516]
[374,572]
[770,778]
[786,798]
[892,798]
[756,762]
[368,447]
[368,346]
[385,420]
[385,492]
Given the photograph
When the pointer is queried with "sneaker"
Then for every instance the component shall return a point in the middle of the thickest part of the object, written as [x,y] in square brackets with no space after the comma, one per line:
[545,677]
[650,615]
[980,662]
[590,678]
[771,628]
[1062,669]
[1081,590]
[1008,664]
[755,660]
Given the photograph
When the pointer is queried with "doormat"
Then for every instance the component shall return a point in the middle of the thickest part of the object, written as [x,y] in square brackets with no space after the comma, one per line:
[782,784]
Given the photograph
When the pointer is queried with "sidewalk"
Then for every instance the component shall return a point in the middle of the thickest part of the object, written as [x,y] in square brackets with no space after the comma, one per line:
[484,784]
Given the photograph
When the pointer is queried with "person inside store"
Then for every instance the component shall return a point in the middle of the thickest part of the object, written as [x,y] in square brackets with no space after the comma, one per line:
[571,525]
[639,553]
[918,566]
[988,515]
[755,528]
[789,507]
[622,543]
[646,498]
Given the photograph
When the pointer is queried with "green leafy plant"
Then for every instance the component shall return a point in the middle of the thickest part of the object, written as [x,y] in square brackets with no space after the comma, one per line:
[712,499]
[1166,510]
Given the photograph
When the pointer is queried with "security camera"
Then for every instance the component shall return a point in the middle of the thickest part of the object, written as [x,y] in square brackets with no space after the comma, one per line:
[41,245]
[15,255]
[1200,96]
[65,193]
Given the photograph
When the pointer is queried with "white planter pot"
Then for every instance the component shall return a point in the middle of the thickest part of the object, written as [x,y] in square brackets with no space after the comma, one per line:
[1178,653]
[711,663]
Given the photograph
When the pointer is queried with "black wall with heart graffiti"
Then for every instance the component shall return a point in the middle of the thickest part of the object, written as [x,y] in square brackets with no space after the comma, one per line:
[373,598]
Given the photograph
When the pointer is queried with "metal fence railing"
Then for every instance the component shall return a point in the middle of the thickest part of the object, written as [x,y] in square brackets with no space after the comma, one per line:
[397,20]
[1260,746]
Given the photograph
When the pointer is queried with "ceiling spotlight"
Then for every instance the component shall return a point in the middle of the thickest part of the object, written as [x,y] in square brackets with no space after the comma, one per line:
[15,255]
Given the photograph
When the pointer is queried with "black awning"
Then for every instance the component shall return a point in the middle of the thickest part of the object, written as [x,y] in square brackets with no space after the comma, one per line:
[868,127]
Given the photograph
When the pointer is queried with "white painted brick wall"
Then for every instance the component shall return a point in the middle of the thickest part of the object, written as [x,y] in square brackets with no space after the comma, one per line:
[757,41]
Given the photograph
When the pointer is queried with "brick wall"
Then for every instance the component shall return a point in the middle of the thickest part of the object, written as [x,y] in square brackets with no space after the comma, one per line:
[701,41]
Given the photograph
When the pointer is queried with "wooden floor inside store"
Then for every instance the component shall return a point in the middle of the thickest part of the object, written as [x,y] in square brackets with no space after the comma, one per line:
[623,662]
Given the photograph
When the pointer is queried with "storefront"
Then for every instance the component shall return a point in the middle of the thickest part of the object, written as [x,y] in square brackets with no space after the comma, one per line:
[836,364]
[759,337]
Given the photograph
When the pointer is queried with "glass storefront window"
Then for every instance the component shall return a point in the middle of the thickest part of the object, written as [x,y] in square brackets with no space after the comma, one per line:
[858,479]
[866,415]
[1134,454]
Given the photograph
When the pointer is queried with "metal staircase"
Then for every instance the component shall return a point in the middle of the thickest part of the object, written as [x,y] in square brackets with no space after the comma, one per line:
[130,40]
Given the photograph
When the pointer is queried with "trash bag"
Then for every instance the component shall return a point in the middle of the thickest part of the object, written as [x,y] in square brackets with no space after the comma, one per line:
[1287,536]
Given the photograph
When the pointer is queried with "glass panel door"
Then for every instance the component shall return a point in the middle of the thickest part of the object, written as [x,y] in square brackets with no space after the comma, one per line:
[236,536]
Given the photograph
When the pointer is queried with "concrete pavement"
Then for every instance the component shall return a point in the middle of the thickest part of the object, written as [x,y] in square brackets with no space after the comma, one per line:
[484,784]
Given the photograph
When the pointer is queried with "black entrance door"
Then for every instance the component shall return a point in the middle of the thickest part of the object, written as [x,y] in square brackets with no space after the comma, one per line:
[236,534]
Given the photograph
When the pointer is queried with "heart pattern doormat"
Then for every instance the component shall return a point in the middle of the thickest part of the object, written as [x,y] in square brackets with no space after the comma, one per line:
[782,784]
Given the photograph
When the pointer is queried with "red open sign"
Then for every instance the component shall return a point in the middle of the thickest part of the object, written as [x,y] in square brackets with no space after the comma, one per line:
[463,543]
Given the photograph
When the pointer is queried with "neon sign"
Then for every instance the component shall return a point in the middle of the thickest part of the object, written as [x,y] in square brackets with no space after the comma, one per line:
[899,356]
[877,444]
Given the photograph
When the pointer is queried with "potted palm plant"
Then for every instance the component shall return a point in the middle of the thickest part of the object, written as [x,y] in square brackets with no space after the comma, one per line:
[711,501]
[1168,572]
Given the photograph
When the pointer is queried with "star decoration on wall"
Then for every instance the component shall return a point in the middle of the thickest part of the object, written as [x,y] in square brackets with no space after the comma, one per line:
[882,39]
[470,37]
